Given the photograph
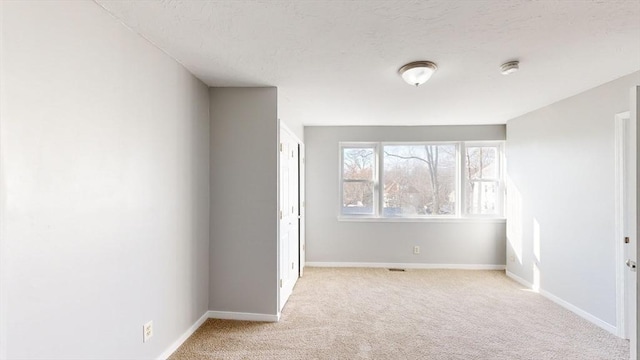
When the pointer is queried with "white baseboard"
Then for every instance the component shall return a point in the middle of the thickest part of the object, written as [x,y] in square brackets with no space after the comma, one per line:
[227,315]
[176,344]
[585,315]
[518,279]
[406,265]
[216,315]
[574,309]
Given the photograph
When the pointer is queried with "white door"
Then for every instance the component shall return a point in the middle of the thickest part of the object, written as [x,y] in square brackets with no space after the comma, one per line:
[634,127]
[629,224]
[303,206]
[289,236]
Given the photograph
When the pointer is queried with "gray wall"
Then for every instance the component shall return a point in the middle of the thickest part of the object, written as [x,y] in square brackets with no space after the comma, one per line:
[461,242]
[560,164]
[244,200]
[104,185]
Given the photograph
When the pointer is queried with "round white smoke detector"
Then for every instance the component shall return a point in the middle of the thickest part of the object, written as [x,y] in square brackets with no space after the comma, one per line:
[509,67]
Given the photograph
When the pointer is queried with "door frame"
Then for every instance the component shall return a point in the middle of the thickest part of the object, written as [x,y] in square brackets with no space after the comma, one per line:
[635,117]
[283,127]
[302,251]
[621,180]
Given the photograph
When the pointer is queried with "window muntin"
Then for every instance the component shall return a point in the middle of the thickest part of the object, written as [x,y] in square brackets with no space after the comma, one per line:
[358,179]
[482,180]
[419,180]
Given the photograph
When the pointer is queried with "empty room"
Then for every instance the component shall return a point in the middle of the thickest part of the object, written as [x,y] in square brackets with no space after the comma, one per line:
[311,179]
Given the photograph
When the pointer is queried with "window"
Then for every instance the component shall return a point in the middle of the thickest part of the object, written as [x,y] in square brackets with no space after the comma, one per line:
[421,180]
[482,182]
[358,180]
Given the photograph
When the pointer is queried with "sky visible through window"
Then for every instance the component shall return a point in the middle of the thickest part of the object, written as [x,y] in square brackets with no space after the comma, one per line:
[421,179]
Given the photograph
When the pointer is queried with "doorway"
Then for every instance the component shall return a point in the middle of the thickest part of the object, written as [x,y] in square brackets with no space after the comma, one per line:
[626,239]
[291,215]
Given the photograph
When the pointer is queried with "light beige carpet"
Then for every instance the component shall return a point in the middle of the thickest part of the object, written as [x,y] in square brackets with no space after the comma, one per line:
[417,314]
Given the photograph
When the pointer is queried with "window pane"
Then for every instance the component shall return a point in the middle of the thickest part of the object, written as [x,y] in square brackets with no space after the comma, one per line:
[482,197]
[357,163]
[419,180]
[357,198]
[482,162]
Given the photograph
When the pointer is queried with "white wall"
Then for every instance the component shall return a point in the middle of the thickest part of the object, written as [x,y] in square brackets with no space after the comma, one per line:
[289,117]
[244,200]
[104,184]
[560,164]
[329,240]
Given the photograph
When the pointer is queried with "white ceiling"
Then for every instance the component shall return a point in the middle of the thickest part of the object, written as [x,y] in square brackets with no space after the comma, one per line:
[335,62]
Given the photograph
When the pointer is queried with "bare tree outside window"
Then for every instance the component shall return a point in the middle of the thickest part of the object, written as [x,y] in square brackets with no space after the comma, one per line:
[482,179]
[419,179]
[358,166]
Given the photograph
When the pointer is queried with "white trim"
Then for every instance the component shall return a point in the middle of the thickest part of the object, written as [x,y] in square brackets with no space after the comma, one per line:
[284,126]
[432,219]
[620,175]
[302,206]
[461,176]
[215,315]
[176,344]
[283,293]
[229,315]
[574,309]
[457,179]
[405,265]
[500,146]
[518,279]
[585,315]
[634,107]
[460,181]
[375,176]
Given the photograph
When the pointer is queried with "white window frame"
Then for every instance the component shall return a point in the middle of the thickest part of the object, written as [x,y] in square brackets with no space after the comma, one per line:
[456,213]
[375,176]
[501,187]
[460,182]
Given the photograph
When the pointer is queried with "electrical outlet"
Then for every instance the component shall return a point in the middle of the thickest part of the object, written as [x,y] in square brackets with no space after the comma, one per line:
[416,250]
[147,331]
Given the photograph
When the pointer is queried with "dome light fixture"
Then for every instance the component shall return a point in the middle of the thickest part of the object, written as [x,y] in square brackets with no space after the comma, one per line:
[509,67]
[417,72]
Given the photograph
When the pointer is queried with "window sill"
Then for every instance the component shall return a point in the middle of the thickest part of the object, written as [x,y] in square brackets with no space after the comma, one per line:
[423,220]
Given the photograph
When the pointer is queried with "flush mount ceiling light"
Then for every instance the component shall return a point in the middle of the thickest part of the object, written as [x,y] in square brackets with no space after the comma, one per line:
[509,67]
[417,72]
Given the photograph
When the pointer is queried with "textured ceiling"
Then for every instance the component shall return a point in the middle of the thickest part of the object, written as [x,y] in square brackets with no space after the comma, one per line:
[335,62]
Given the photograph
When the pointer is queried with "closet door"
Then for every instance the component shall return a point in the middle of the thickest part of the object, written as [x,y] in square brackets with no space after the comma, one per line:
[289,215]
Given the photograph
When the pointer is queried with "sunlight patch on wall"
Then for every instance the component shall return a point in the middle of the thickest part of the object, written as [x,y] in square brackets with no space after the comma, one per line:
[536,255]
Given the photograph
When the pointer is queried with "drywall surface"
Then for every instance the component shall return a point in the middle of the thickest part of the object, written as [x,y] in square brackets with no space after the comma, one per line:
[244,200]
[288,115]
[339,60]
[105,187]
[560,191]
[330,240]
